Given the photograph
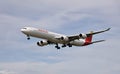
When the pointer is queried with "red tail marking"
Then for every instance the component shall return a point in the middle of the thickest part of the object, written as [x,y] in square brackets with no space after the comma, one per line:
[88,40]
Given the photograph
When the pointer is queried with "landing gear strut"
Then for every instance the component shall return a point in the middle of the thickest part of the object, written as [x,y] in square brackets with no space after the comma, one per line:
[57,46]
[69,45]
[28,37]
[63,45]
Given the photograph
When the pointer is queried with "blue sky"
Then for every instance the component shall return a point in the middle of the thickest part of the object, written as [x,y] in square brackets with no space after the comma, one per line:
[20,56]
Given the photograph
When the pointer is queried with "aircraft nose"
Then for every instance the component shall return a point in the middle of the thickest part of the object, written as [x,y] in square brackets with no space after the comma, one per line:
[22,30]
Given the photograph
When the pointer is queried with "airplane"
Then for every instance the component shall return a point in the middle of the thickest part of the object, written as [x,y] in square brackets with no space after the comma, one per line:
[55,38]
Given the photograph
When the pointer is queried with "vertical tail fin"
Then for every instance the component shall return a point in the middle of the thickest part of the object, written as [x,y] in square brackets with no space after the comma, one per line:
[88,40]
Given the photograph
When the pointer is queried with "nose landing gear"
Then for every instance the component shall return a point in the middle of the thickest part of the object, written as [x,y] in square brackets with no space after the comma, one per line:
[28,37]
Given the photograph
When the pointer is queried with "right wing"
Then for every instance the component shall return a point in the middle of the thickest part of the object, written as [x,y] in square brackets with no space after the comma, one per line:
[82,36]
[93,33]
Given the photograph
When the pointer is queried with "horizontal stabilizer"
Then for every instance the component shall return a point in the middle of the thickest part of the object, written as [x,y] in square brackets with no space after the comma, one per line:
[97,41]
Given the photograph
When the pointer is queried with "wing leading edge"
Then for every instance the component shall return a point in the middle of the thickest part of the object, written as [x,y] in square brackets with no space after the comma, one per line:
[98,32]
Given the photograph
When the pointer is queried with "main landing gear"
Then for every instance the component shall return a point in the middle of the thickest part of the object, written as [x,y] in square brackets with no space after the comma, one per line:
[57,46]
[69,45]
[64,45]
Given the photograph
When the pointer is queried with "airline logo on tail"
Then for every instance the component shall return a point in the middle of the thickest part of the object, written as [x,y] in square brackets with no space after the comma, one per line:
[88,40]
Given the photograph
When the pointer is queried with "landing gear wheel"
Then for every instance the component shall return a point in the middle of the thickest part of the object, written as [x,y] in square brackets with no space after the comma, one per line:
[57,46]
[69,45]
[63,45]
[28,37]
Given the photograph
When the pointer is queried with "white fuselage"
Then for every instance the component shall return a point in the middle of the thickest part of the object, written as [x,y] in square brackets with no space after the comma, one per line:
[50,36]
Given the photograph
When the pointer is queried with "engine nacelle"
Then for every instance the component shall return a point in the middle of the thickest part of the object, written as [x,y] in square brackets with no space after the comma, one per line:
[83,36]
[42,43]
[64,38]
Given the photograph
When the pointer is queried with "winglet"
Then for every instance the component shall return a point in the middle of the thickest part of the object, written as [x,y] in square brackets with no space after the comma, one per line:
[108,29]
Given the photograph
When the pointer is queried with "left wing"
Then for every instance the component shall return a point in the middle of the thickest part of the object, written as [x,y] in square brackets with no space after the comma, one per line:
[82,36]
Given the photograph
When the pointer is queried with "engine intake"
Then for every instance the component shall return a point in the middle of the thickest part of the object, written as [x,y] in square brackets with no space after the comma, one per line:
[65,38]
[42,43]
[83,36]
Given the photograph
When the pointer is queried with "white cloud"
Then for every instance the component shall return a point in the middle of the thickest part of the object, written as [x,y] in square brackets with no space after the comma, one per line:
[79,65]
[55,14]
[7,72]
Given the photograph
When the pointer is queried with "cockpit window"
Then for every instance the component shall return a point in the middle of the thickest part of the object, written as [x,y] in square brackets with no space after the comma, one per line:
[24,28]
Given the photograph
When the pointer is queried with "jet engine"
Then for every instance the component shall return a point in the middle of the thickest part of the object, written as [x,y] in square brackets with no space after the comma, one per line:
[64,38]
[83,36]
[42,43]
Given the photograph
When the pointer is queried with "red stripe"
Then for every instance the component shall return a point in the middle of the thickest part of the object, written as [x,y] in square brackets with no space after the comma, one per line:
[88,40]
